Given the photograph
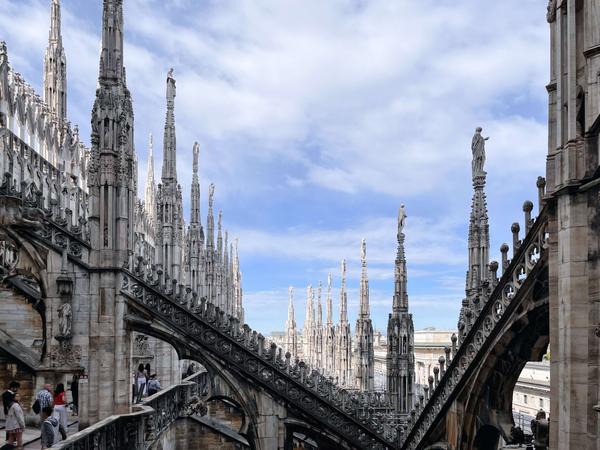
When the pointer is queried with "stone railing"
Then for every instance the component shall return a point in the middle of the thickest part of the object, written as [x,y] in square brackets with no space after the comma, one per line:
[140,429]
[45,192]
[455,368]
[363,419]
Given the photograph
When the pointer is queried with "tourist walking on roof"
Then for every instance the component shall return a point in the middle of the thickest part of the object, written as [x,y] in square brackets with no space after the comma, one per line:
[50,428]
[140,383]
[44,397]
[8,396]
[60,404]
[153,385]
[15,422]
[75,394]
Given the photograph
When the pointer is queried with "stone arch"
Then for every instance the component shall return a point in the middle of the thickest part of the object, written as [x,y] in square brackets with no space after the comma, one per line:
[222,383]
[299,430]
[237,422]
[487,404]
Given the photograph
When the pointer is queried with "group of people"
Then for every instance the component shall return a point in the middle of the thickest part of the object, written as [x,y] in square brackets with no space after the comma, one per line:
[145,383]
[50,404]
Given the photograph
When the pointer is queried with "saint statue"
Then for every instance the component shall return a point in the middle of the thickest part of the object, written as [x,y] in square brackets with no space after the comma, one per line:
[401,218]
[291,292]
[211,193]
[170,84]
[64,319]
[363,250]
[478,149]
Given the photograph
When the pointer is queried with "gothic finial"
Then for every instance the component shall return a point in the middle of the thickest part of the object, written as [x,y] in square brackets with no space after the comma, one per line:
[150,145]
[219,221]
[54,34]
[111,58]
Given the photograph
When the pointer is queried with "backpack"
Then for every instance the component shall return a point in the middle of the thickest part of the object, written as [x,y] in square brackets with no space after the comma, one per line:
[36,407]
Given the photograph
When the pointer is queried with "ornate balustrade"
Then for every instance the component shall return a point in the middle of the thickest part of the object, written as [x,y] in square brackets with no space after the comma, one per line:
[45,191]
[454,369]
[140,429]
[364,419]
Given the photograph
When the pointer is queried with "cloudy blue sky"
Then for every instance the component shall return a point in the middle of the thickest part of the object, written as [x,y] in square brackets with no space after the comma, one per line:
[316,119]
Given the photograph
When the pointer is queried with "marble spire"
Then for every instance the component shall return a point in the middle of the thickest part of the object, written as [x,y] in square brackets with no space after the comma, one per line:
[111,69]
[478,273]
[170,201]
[169,168]
[290,327]
[150,189]
[319,330]
[400,362]
[343,361]
[55,66]
[195,200]
[112,175]
[308,332]
[329,334]
[365,370]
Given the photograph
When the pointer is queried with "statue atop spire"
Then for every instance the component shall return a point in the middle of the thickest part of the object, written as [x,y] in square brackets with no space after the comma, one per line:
[365,373]
[478,150]
[400,331]
[478,273]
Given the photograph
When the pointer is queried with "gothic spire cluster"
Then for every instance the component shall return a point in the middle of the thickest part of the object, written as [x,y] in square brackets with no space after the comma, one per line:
[127,231]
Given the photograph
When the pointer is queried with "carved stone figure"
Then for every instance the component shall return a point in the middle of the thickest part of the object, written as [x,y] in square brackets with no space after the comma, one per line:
[211,193]
[64,319]
[401,218]
[551,11]
[478,150]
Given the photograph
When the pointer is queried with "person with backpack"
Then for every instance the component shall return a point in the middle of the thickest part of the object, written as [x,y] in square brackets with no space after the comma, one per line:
[50,428]
[43,399]
[15,422]
[153,385]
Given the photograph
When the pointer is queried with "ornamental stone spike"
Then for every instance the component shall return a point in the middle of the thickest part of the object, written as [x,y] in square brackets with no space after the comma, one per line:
[55,67]
[290,326]
[329,305]
[400,333]
[479,239]
[365,374]
[150,189]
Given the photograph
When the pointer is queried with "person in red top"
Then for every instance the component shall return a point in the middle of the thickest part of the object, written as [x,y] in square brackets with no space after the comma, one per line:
[60,405]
